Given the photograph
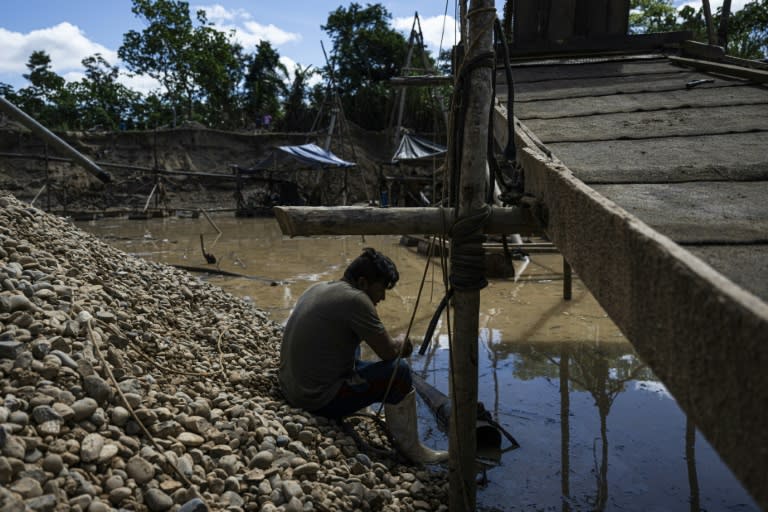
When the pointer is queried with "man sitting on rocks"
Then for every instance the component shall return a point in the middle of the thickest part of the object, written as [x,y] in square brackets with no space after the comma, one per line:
[319,366]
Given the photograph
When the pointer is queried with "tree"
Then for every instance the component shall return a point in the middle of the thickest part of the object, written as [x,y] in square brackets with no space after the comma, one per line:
[218,70]
[297,112]
[164,50]
[646,16]
[748,31]
[264,83]
[104,101]
[367,52]
[40,98]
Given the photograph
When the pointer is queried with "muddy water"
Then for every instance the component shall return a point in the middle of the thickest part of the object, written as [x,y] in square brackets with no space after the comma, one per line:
[596,428]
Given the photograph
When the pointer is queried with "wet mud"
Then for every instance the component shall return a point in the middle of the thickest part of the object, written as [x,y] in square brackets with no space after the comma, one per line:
[597,430]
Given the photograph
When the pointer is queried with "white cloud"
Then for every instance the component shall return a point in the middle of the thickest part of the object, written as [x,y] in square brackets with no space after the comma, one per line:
[435,29]
[247,32]
[65,43]
[139,83]
[736,5]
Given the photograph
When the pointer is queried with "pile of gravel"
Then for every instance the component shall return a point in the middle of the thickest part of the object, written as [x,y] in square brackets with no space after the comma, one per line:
[132,385]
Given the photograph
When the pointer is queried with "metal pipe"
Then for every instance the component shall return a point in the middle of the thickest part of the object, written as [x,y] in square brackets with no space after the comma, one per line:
[49,137]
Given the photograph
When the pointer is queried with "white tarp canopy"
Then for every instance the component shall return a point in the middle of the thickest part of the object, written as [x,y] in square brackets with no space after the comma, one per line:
[415,148]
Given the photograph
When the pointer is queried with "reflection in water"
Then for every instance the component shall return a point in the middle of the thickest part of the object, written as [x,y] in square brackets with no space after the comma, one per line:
[596,429]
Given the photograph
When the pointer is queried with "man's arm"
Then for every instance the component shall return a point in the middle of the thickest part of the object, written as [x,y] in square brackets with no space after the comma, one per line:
[387,348]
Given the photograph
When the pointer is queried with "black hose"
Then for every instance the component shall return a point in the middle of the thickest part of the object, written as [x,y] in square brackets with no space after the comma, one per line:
[433,323]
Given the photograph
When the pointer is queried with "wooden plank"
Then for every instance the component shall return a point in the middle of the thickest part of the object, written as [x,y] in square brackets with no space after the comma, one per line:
[526,21]
[598,18]
[745,265]
[699,212]
[619,85]
[634,102]
[353,220]
[624,44]
[705,158]
[699,50]
[423,80]
[561,19]
[756,75]
[702,335]
[658,124]
[618,17]
[548,72]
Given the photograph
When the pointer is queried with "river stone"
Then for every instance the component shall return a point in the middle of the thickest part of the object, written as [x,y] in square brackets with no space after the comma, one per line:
[294,505]
[11,502]
[6,471]
[14,447]
[292,488]
[10,349]
[108,451]
[53,463]
[27,487]
[98,506]
[97,388]
[65,359]
[194,505]
[119,494]
[190,439]
[310,468]
[91,447]
[262,460]
[43,413]
[44,503]
[84,408]
[157,501]
[140,470]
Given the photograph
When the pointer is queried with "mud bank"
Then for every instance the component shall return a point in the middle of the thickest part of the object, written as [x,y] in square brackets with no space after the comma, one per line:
[128,384]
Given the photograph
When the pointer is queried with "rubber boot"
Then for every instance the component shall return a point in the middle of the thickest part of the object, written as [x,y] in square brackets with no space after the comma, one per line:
[401,419]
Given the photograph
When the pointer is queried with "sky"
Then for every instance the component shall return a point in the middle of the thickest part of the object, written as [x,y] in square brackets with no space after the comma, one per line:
[70,30]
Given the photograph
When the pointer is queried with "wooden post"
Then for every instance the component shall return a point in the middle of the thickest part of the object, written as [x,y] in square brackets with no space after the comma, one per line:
[472,192]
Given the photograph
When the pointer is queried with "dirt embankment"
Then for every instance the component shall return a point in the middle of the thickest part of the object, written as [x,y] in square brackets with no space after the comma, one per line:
[196,168]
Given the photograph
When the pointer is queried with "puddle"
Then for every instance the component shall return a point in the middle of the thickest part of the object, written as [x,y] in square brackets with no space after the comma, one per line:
[596,428]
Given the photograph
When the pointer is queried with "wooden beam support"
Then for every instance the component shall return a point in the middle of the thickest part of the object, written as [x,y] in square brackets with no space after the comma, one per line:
[421,80]
[756,75]
[579,45]
[366,220]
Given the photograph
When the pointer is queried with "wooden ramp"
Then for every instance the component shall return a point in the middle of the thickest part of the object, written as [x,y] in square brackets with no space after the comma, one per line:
[656,192]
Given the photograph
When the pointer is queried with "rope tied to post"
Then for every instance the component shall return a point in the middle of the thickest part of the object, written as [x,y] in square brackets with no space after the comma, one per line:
[467,253]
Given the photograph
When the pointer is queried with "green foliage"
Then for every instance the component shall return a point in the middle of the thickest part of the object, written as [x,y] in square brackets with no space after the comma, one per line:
[264,83]
[747,27]
[648,16]
[298,115]
[367,52]
[748,31]
[104,102]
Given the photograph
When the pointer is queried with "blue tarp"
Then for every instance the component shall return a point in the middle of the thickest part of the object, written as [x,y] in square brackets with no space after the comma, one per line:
[315,155]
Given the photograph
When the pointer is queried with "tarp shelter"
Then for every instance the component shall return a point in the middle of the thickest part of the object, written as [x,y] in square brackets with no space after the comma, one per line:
[313,154]
[415,148]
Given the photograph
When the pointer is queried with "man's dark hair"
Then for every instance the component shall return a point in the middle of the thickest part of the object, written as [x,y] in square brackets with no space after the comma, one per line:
[373,266]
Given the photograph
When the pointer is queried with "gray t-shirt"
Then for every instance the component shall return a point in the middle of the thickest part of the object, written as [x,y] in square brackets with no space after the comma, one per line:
[318,351]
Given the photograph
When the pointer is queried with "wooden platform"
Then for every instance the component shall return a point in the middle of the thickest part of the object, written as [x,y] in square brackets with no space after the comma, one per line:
[656,192]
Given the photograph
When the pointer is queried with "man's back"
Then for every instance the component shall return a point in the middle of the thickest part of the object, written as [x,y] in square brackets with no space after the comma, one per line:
[319,342]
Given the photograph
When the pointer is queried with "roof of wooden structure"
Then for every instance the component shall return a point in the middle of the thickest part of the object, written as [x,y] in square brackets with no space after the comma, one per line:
[655,191]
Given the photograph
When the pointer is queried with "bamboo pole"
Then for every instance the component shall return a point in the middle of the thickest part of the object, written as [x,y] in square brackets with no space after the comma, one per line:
[472,192]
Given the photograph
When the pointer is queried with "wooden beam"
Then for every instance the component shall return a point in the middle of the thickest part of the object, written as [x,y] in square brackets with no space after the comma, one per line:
[756,75]
[421,80]
[576,45]
[462,469]
[355,220]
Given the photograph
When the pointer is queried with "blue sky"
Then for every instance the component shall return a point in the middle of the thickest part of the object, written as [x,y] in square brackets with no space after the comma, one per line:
[70,30]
